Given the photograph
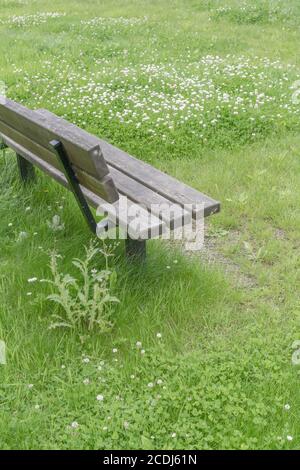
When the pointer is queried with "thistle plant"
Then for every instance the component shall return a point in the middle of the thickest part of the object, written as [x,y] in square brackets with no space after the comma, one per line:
[86,300]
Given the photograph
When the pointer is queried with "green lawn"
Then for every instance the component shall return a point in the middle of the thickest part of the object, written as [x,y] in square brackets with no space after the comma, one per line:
[203,90]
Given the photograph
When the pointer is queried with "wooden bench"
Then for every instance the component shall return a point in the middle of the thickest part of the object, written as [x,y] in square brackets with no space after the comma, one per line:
[98,173]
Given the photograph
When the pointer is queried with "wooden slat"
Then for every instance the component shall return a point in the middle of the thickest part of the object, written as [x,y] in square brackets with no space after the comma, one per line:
[79,145]
[124,184]
[163,184]
[150,226]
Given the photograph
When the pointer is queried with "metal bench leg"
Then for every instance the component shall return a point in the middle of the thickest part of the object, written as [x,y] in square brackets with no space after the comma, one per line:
[74,184]
[26,169]
[135,249]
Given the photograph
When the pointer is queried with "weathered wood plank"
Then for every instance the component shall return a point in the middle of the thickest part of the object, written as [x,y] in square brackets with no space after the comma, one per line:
[79,145]
[163,184]
[150,226]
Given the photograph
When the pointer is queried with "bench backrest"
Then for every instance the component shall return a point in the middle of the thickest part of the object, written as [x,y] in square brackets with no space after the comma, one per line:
[33,132]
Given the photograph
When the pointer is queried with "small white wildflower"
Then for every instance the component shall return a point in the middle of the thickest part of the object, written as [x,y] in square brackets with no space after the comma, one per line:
[138,344]
[114,350]
[159,382]
[105,428]
[10,224]
[143,351]
[168,267]
[150,384]
[86,381]
[99,368]
[28,209]
[99,397]
[174,435]
[74,425]
[63,366]
[158,335]
[126,424]
[86,360]
[36,407]
[32,279]
[287,407]
[289,438]
[132,376]
[29,293]
[30,386]
[175,261]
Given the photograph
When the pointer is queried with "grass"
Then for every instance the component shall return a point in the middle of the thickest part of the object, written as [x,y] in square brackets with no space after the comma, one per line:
[152,80]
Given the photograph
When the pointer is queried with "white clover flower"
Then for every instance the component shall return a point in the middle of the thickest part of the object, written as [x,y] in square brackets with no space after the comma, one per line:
[30,386]
[173,435]
[126,424]
[32,279]
[86,381]
[29,294]
[10,224]
[287,407]
[36,407]
[159,382]
[138,344]
[168,267]
[63,366]
[143,351]
[289,438]
[74,425]
[99,397]
[158,335]
[132,376]
[28,209]
[150,384]
[105,428]
[86,360]
[115,350]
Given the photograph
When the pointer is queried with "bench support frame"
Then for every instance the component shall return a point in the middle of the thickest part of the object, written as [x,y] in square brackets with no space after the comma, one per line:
[135,249]
[26,169]
[74,184]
